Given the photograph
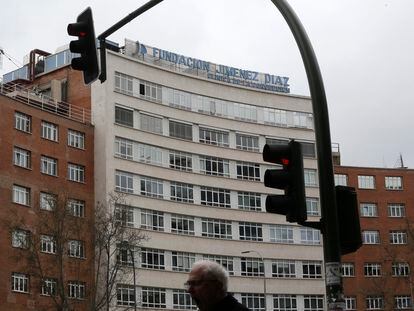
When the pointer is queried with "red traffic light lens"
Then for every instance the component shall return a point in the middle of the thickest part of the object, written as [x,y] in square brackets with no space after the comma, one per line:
[285,161]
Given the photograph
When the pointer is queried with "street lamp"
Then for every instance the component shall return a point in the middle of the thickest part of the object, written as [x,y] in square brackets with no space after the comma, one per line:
[127,246]
[264,275]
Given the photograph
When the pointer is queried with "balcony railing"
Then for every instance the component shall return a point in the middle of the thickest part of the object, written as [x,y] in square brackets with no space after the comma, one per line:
[28,96]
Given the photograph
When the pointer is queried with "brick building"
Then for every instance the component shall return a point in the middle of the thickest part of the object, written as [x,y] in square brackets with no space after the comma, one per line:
[46,187]
[378,276]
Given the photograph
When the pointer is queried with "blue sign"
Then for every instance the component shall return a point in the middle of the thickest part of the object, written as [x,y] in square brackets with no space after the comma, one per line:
[222,73]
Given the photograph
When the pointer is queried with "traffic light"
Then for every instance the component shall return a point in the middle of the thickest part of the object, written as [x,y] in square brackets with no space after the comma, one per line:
[85,46]
[289,178]
[348,219]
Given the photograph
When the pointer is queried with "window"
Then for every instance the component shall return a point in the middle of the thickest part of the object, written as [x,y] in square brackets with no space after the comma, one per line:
[76,139]
[215,197]
[22,157]
[400,269]
[47,244]
[226,261]
[341,180]
[76,207]
[300,119]
[311,179]
[308,149]
[368,209]
[366,182]
[153,297]
[313,303]
[125,254]
[216,228]
[48,166]
[150,123]
[123,83]
[374,302]
[254,302]
[152,259]
[20,283]
[312,207]
[49,131]
[76,249]
[49,287]
[76,173]
[250,201]
[402,302]
[149,91]
[181,161]
[310,236]
[182,300]
[370,237]
[396,210]
[283,269]
[252,267]
[22,122]
[245,112]
[398,237]
[250,231]
[393,183]
[76,290]
[149,154]
[182,261]
[125,295]
[124,215]
[20,238]
[124,182]
[152,220]
[281,234]
[247,142]
[21,195]
[372,269]
[275,117]
[151,187]
[312,269]
[284,303]
[177,99]
[182,224]
[181,192]
[350,303]
[213,137]
[181,130]
[48,201]
[248,171]
[123,148]
[124,116]
[214,166]
[348,269]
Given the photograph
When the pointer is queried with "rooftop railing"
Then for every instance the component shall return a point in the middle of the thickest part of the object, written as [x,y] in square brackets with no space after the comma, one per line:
[32,98]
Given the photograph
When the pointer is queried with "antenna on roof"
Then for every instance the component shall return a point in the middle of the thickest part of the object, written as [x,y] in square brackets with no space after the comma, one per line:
[400,162]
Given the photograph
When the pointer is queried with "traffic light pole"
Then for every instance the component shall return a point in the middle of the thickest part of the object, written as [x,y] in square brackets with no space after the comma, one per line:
[329,220]
[102,37]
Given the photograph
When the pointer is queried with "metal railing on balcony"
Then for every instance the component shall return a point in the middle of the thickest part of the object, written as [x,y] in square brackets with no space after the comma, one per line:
[28,96]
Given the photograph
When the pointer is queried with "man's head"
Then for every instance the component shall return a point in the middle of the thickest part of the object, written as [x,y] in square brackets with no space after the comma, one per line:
[207,283]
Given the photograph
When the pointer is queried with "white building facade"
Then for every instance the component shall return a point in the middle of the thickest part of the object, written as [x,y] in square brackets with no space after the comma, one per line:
[183,140]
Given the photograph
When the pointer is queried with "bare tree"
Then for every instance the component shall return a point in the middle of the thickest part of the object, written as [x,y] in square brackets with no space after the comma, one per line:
[115,243]
[396,270]
[44,241]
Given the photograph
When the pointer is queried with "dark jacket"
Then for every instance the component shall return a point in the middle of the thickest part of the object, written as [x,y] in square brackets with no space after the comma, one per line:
[229,303]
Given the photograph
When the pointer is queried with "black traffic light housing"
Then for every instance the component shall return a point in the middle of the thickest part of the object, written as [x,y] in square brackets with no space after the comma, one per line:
[350,238]
[85,46]
[290,178]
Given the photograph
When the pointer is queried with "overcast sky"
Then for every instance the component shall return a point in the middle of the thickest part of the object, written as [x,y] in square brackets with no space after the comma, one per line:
[365,49]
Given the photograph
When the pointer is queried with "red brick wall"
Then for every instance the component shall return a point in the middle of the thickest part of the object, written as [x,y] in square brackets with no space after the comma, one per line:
[36,181]
[360,285]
